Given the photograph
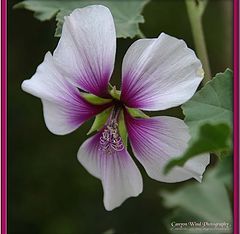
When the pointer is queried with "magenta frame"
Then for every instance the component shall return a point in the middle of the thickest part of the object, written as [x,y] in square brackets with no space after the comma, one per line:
[4,117]
[236,117]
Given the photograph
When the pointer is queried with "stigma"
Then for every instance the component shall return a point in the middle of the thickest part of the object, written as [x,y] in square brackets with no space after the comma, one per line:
[110,140]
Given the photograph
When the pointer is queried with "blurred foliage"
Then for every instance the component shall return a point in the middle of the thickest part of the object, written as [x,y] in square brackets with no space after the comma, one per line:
[127,14]
[49,192]
[208,201]
[208,115]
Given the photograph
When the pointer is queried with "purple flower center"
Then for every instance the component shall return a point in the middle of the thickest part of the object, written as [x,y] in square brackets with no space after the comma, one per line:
[110,140]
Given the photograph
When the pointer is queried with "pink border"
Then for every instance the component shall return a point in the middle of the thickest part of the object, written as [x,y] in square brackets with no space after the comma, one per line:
[236,118]
[4,116]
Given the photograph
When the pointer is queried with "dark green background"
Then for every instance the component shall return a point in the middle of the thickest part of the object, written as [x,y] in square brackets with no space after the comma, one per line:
[49,192]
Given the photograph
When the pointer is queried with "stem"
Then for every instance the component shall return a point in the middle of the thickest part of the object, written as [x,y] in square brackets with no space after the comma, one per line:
[195,9]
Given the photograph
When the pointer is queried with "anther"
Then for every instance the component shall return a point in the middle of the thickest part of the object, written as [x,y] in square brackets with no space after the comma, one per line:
[111,141]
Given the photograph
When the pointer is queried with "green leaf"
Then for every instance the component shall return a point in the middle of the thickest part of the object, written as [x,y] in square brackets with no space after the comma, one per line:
[122,129]
[207,201]
[211,138]
[100,120]
[212,104]
[93,99]
[209,117]
[60,20]
[224,171]
[126,14]
[43,10]
[137,113]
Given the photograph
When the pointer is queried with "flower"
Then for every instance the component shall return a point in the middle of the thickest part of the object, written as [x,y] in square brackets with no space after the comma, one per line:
[157,74]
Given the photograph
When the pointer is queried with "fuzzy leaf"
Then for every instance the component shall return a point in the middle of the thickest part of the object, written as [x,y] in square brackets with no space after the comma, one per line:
[43,10]
[126,14]
[212,104]
[100,120]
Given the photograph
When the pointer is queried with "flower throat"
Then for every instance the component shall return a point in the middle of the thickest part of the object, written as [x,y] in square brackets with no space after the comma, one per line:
[110,140]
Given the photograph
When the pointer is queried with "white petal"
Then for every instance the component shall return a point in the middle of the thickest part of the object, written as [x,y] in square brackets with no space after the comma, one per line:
[121,179]
[64,109]
[159,73]
[157,140]
[86,50]
[120,176]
